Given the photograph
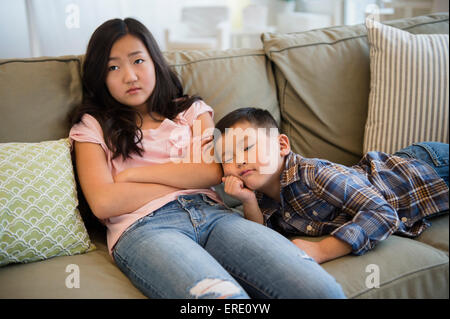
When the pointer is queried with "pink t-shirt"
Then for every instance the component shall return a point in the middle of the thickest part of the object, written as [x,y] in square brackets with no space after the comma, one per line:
[159,146]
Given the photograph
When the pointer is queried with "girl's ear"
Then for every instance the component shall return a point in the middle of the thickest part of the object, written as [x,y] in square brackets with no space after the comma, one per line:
[285,146]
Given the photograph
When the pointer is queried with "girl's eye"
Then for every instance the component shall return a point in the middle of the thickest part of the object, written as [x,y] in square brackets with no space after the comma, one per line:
[113,68]
[138,61]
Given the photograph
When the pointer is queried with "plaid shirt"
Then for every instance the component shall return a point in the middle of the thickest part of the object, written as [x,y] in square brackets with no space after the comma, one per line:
[360,205]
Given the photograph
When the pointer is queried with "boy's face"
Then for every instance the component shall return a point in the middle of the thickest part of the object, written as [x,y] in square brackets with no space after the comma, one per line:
[253,154]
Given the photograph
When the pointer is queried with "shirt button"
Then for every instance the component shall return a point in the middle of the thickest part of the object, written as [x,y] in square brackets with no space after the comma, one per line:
[287,215]
[404,219]
[309,228]
[315,213]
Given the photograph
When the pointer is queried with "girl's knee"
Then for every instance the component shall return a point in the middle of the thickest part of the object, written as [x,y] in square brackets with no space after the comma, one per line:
[217,289]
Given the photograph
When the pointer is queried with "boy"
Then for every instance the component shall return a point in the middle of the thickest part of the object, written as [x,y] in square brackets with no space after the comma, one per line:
[358,206]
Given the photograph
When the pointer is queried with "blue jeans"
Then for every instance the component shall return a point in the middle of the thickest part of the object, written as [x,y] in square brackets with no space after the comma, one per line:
[195,248]
[434,154]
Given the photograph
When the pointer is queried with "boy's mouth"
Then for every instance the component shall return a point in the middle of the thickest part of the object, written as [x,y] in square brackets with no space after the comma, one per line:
[246,172]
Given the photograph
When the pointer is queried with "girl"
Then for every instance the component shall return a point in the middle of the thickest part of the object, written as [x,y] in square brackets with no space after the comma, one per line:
[167,230]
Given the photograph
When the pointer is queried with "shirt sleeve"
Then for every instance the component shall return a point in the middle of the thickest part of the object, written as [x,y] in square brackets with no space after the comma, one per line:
[88,130]
[195,110]
[268,209]
[373,218]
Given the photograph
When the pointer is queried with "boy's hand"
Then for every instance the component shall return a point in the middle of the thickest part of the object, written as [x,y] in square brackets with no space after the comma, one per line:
[234,186]
[312,249]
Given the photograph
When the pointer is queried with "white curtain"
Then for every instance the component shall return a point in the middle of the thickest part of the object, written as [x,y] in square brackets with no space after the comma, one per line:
[31,28]
[63,27]
[14,40]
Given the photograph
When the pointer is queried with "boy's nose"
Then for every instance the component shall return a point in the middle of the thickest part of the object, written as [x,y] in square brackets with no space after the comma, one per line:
[239,165]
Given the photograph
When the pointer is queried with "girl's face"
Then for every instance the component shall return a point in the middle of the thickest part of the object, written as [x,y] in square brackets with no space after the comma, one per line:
[131,72]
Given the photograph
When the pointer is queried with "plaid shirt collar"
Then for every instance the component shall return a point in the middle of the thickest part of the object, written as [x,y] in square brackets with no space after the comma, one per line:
[289,175]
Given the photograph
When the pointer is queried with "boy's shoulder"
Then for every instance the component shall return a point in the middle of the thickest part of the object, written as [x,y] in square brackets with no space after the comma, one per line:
[296,168]
[304,171]
[294,160]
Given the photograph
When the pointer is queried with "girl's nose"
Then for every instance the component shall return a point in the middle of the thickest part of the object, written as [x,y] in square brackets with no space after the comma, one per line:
[130,76]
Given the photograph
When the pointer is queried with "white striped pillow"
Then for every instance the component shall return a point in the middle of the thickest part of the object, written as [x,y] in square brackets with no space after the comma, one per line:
[409,92]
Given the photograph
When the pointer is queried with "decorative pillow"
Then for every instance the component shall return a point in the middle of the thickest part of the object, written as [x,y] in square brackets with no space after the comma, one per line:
[39,218]
[409,93]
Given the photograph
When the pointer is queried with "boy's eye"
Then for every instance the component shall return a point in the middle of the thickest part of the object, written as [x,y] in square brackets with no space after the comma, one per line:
[138,61]
[113,67]
[228,160]
[248,147]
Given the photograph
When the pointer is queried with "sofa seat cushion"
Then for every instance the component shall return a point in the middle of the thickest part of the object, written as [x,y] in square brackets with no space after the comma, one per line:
[99,278]
[407,268]
[437,235]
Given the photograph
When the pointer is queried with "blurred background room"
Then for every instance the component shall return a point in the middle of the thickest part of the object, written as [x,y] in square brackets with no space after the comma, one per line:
[32,28]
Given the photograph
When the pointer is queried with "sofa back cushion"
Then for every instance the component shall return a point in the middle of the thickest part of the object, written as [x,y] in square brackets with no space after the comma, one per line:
[323,82]
[227,80]
[36,96]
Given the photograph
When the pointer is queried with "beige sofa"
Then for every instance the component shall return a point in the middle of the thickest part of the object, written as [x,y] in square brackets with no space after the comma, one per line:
[315,83]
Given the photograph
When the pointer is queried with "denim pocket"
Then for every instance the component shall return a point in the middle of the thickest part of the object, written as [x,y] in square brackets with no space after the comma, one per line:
[436,151]
[206,199]
[433,153]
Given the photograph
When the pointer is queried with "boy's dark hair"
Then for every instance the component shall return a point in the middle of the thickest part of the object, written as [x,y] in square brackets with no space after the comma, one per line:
[257,117]
[118,121]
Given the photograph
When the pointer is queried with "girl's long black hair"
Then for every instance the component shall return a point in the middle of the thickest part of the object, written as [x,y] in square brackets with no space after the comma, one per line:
[118,121]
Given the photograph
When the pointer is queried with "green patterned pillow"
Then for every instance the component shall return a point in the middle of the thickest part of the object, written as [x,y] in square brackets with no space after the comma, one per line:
[39,218]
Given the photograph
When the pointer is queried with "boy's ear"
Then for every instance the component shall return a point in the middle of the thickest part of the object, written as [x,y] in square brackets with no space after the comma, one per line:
[285,146]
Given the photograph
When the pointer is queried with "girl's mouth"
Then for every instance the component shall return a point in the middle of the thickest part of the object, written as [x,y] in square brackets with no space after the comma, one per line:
[133,90]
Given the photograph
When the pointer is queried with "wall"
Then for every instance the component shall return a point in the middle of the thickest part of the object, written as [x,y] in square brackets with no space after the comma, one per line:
[31,28]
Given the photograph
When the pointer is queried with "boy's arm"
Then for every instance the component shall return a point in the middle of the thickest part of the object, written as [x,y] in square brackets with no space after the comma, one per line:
[196,172]
[373,218]
[252,211]
[327,249]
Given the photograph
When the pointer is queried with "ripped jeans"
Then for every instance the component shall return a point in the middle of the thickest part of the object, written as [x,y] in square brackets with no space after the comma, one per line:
[195,248]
